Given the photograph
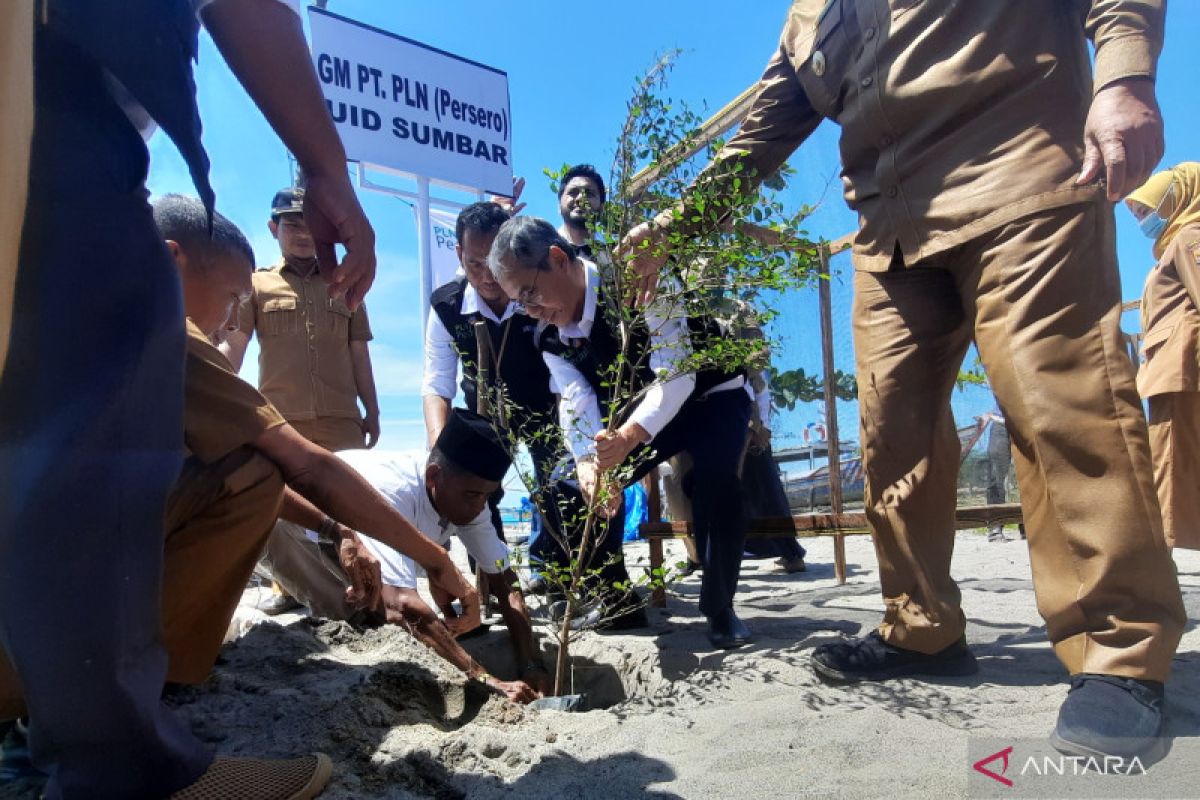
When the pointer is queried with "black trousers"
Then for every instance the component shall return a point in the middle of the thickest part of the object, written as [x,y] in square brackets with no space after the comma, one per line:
[713,431]
[764,496]
[91,441]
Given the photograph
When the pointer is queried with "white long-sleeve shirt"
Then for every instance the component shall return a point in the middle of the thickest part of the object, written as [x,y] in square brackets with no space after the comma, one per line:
[670,346]
[441,357]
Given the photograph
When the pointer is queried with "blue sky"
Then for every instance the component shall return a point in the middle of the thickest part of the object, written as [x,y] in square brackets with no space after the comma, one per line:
[570,69]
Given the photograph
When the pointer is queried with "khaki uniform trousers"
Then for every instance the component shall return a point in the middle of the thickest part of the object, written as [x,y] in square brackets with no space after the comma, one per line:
[1041,298]
[1175,444]
[217,521]
[291,558]
[332,433]
[295,563]
[16,136]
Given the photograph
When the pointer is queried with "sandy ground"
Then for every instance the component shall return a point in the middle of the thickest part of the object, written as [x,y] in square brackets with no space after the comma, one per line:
[685,721]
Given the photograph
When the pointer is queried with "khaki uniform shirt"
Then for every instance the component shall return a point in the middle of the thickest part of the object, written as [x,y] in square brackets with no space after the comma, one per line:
[304,336]
[221,412]
[1171,319]
[957,117]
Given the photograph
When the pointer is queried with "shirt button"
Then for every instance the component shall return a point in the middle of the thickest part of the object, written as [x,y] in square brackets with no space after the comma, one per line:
[892,191]
[867,81]
[818,63]
[869,33]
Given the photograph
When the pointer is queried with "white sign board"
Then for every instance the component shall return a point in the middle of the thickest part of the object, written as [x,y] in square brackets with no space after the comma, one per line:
[404,106]
[443,258]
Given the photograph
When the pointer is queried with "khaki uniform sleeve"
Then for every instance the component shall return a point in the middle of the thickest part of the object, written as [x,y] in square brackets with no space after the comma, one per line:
[780,118]
[360,325]
[221,411]
[1185,257]
[1128,35]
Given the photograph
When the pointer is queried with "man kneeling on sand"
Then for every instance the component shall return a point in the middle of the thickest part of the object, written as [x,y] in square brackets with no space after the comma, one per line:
[445,496]
[241,455]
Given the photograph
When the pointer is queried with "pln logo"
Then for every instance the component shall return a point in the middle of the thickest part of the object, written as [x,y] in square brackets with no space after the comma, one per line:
[1002,756]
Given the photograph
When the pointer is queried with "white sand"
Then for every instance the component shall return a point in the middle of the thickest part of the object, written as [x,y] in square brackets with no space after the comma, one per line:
[752,723]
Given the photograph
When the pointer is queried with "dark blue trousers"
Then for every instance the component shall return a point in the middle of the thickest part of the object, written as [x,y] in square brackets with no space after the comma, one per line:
[91,427]
[713,431]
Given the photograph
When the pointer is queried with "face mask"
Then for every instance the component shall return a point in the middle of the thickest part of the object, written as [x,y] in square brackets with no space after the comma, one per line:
[1152,226]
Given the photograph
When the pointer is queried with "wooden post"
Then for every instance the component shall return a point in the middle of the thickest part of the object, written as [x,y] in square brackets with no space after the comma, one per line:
[654,514]
[483,407]
[831,420]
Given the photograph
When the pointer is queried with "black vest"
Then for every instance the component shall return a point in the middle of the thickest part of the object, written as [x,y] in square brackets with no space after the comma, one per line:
[596,356]
[524,374]
[149,46]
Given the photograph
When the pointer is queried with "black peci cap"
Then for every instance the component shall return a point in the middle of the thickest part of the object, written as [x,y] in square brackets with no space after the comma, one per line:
[470,442]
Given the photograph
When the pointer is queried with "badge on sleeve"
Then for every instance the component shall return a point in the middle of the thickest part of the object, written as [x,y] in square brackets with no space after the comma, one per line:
[1195,248]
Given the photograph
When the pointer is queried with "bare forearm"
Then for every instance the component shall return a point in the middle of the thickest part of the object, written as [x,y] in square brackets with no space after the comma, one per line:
[263,43]
[364,377]
[300,511]
[437,411]
[520,631]
[234,348]
[430,631]
[434,634]
[343,494]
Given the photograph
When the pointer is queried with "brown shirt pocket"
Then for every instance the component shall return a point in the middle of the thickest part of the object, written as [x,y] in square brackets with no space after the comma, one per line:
[280,316]
[822,58]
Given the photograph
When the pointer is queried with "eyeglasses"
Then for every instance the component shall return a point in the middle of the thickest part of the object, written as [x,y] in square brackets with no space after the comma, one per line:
[529,295]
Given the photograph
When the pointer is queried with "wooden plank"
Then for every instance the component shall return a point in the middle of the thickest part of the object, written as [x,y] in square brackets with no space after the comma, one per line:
[823,524]
[983,516]
[805,526]
[726,118]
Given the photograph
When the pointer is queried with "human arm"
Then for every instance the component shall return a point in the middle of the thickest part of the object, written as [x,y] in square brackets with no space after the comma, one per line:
[359,565]
[234,346]
[263,43]
[404,607]
[579,417]
[364,380]
[492,556]
[670,347]
[1123,134]
[1184,254]
[506,589]
[341,493]
[438,380]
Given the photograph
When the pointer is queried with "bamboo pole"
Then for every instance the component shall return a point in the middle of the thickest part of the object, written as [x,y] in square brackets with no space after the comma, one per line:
[831,420]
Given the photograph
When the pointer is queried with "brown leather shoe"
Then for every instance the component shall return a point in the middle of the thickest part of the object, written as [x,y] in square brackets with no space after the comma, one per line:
[261,779]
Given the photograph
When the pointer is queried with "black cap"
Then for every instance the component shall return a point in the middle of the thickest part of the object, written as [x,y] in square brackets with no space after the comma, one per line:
[287,201]
[470,442]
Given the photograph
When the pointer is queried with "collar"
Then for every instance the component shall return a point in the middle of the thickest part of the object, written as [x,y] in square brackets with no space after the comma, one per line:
[583,328]
[282,264]
[427,500]
[472,304]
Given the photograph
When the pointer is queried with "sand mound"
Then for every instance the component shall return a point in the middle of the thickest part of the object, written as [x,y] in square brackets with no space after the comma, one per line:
[673,718]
